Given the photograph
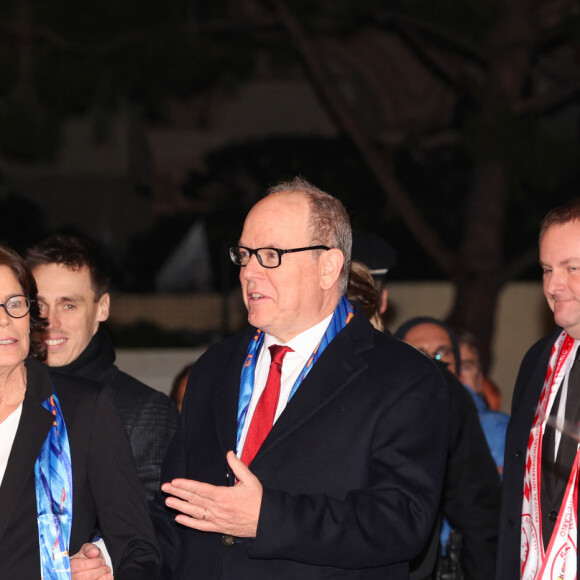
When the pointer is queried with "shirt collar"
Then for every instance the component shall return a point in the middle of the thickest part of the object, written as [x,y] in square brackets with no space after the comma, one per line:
[305,342]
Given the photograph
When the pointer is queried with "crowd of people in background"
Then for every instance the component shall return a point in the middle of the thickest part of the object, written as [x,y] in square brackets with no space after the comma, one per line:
[312,444]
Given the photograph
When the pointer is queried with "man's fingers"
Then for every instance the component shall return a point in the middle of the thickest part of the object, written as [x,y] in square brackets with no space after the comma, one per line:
[241,472]
[177,491]
[191,515]
[224,509]
[97,574]
[85,566]
[184,506]
[189,490]
[196,523]
[93,552]
[88,551]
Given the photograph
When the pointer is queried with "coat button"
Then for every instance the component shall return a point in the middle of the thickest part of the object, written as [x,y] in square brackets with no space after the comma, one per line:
[553,516]
[518,453]
[227,540]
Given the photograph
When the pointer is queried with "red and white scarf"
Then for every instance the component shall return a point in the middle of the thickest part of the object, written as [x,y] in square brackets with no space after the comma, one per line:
[559,561]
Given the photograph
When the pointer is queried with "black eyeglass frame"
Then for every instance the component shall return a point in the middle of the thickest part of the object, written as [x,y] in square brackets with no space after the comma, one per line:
[277,250]
[440,354]
[28,303]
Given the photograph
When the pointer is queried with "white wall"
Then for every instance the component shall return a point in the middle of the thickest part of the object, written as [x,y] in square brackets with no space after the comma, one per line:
[156,367]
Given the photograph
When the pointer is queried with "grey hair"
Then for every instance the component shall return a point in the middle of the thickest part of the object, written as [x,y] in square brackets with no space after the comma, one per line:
[329,222]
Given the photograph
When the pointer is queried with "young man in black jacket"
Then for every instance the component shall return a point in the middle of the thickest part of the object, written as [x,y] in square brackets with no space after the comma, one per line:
[73,295]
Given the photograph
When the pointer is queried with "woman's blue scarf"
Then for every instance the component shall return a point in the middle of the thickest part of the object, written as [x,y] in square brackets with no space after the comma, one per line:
[53,478]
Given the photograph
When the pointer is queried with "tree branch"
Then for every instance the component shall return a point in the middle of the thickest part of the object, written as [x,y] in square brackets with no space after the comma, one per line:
[519,265]
[383,171]
[457,44]
[55,40]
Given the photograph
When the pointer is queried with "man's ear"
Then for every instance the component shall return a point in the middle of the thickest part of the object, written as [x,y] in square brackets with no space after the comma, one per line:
[330,265]
[383,301]
[103,307]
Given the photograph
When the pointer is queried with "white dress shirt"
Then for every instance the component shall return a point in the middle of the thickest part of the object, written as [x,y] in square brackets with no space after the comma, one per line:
[561,381]
[303,346]
[8,429]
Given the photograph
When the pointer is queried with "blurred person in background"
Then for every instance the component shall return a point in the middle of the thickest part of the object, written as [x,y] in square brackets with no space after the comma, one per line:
[471,373]
[179,385]
[361,288]
[437,340]
[471,487]
[379,257]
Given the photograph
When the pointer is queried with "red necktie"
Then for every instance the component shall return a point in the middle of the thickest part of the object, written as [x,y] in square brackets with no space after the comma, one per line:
[265,411]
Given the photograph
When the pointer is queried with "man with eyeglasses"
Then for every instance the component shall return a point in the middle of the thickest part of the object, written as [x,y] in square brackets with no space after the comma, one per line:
[472,488]
[437,340]
[310,444]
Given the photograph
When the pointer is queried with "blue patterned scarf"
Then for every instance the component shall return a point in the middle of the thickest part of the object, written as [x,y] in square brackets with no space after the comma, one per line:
[343,314]
[53,476]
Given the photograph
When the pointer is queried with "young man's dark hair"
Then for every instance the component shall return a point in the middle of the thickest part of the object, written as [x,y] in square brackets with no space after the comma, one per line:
[74,253]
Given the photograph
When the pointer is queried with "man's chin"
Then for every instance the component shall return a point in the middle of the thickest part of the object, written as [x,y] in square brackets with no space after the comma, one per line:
[257,318]
[57,360]
[568,322]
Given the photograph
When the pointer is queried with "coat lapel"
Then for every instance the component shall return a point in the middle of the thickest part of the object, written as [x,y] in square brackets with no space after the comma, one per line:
[35,423]
[552,488]
[524,409]
[336,368]
[340,364]
[226,407]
